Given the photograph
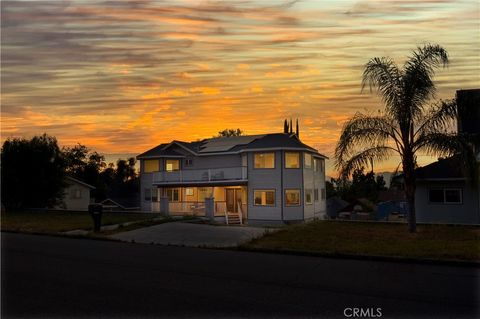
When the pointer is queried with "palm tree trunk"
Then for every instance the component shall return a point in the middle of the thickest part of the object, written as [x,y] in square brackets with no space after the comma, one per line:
[409,182]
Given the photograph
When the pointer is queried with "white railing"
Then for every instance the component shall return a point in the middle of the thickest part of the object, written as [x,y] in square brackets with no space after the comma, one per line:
[190,208]
[201,175]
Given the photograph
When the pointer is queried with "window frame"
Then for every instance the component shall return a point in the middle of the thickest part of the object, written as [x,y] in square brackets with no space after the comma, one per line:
[299,160]
[259,153]
[173,196]
[265,190]
[444,193]
[299,197]
[305,193]
[305,155]
[188,162]
[316,195]
[151,160]
[172,159]
[316,165]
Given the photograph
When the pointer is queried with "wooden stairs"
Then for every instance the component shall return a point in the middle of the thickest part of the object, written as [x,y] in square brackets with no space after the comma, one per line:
[232,218]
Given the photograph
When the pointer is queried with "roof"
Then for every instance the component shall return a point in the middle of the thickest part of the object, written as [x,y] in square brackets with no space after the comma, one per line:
[235,144]
[131,202]
[80,182]
[449,168]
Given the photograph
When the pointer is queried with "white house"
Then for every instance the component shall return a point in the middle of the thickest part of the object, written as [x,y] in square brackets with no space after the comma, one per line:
[77,195]
[258,178]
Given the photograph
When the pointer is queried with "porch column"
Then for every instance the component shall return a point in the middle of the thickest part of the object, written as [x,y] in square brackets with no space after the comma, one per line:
[164,206]
[210,207]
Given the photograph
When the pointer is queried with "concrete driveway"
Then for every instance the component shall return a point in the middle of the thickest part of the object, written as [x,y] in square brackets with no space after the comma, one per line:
[192,235]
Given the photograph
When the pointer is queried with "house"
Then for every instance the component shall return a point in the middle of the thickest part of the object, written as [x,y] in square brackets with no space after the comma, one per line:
[77,195]
[443,193]
[270,178]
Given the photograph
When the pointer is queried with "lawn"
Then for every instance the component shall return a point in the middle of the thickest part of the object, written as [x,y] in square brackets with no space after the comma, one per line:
[375,239]
[56,222]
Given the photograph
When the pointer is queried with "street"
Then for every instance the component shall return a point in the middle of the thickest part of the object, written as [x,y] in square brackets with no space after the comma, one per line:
[46,276]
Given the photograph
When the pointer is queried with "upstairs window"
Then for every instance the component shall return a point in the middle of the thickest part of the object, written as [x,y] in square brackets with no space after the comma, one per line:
[151,166]
[188,162]
[264,160]
[316,165]
[292,160]
[308,196]
[307,159]
[172,165]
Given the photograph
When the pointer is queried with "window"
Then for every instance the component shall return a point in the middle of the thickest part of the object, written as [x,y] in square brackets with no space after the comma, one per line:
[292,160]
[322,165]
[316,164]
[292,197]
[323,194]
[264,160]
[154,194]
[445,196]
[307,159]
[189,191]
[308,197]
[189,162]
[77,193]
[315,194]
[148,194]
[151,166]
[172,165]
[264,197]
[173,194]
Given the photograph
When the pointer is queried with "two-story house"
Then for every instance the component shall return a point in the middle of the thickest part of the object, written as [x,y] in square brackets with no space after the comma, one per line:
[262,178]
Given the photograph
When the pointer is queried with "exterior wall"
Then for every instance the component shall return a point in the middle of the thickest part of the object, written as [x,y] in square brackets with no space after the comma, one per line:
[72,203]
[265,179]
[293,179]
[320,206]
[466,213]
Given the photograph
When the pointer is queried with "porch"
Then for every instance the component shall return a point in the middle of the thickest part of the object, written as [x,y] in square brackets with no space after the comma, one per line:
[191,200]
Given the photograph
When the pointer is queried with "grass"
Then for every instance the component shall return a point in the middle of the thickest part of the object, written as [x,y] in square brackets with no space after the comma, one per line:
[56,222]
[438,242]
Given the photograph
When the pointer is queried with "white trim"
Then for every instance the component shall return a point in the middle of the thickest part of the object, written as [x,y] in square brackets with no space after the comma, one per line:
[80,182]
[178,144]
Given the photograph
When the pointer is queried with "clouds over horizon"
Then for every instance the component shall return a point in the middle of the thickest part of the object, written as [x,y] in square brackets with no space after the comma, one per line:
[127,75]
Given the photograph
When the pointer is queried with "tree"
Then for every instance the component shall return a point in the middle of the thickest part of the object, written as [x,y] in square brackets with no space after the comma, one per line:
[407,126]
[33,172]
[230,132]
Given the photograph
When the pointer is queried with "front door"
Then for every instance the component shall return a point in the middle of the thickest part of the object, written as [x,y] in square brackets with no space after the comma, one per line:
[234,199]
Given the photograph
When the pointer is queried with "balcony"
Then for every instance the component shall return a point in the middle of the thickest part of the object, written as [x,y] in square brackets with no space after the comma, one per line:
[201,176]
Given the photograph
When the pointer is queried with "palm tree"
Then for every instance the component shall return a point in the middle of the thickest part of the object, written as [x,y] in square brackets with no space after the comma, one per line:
[407,126]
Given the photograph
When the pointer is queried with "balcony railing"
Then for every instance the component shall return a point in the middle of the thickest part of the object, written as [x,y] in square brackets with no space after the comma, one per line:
[201,175]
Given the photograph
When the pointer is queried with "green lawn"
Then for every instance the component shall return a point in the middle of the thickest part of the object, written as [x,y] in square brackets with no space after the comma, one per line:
[55,222]
[378,239]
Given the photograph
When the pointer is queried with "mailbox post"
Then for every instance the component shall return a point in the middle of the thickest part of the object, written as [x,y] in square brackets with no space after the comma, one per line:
[95,211]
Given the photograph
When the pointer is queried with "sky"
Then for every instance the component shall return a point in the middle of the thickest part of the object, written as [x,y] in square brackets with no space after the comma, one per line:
[124,76]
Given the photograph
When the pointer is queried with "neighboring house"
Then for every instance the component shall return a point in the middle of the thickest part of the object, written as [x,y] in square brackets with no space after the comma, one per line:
[264,178]
[443,193]
[77,195]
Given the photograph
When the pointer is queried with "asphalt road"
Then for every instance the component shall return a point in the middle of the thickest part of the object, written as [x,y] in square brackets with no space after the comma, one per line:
[51,277]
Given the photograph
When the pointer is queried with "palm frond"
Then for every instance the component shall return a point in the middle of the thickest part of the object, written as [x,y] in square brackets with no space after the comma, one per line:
[383,74]
[365,157]
[363,131]
[439,118]
[419,71]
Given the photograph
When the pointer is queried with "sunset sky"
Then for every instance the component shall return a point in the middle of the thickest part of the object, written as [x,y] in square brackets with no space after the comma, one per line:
[124,76]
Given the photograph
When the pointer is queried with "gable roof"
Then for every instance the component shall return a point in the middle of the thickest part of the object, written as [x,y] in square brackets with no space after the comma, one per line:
[232,145]
[71,179]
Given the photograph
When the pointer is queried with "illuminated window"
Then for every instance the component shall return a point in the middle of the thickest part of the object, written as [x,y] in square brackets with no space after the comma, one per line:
[264,197]
[189,191]
[292,160]
[307,159]
[292,197]
[308,196]
[172,165]
[264,160]
[151,166]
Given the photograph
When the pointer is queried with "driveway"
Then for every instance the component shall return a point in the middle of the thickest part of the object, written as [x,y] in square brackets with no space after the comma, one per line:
[192,235]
